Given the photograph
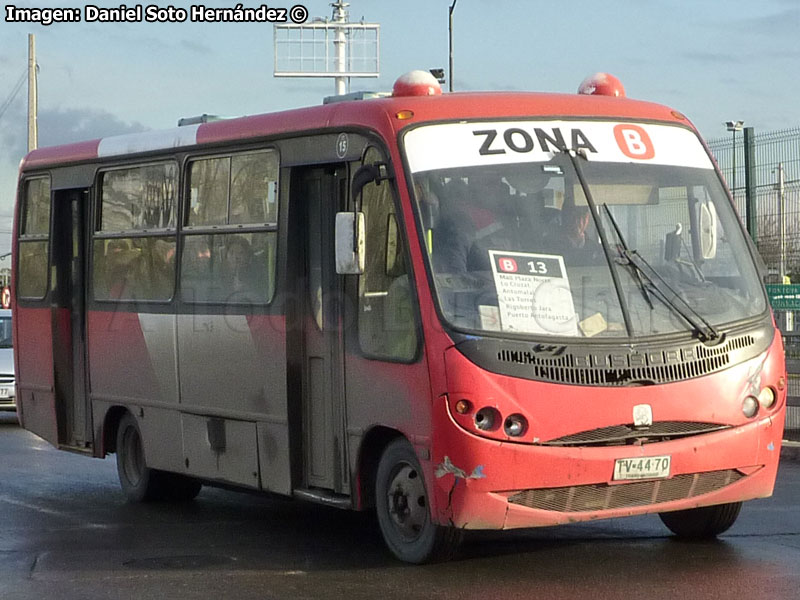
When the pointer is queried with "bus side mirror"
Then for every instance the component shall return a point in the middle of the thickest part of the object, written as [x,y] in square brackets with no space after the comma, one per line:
[350,243]
[708,230]
[374,173]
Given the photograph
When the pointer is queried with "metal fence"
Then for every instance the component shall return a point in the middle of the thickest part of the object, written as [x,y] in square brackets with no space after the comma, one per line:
[774,224]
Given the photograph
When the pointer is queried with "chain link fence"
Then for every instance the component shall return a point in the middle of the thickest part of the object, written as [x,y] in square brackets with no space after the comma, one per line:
[776,206]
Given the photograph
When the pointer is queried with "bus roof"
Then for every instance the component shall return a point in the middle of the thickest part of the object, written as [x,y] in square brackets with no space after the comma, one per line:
[379,114]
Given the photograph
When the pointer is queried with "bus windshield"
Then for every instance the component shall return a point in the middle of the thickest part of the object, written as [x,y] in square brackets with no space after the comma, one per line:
[515,246]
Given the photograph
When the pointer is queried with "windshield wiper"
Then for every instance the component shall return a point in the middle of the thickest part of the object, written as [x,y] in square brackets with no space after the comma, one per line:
[643,269]
[640,268]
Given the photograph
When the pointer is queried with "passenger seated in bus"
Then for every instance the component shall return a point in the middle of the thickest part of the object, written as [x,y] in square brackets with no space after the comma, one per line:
[196,269]
[160,281]
[120,260]
[241,277]
[488,218]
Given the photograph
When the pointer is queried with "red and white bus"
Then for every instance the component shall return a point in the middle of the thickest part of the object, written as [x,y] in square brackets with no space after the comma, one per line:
[467,311]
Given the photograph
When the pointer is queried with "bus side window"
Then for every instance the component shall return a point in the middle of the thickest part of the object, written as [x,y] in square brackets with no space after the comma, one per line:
[34,238]
[387,325]
[138,202]
[232,268]
[237,195]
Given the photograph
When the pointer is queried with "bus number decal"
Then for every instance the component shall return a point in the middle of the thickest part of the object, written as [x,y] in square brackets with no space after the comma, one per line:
[634,142]
[522,264]
[537,267]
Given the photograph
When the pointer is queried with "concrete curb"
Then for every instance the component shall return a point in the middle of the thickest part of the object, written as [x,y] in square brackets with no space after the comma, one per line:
[790,451]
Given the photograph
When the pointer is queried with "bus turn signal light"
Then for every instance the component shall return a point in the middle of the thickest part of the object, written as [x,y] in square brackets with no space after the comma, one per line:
[463,407]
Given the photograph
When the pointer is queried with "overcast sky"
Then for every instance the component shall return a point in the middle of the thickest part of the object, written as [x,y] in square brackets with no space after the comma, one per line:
[714,60]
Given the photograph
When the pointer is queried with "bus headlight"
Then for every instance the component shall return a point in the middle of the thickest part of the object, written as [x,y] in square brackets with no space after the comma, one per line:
[487,418]
[767,397]
[515,425]
[750,406]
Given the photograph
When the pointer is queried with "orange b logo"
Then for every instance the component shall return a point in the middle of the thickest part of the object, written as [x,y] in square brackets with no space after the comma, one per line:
[634,142]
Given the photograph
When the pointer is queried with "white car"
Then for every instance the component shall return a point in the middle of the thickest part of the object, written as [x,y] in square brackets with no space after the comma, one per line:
[8,400]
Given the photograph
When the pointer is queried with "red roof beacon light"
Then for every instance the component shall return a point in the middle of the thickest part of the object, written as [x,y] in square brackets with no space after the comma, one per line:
[416,83]
[602,84]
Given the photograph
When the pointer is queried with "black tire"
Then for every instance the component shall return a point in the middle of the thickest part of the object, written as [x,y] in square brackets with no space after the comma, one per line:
[404,517]
[702,523]
[139,482]
[178,488]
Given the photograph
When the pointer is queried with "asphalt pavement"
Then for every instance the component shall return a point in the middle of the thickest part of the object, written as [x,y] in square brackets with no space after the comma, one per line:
[67,533]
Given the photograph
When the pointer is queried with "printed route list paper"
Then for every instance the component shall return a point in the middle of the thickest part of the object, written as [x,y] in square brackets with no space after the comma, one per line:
[533,293]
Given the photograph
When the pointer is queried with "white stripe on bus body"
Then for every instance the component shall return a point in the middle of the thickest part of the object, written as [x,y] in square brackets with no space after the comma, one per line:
[132,143]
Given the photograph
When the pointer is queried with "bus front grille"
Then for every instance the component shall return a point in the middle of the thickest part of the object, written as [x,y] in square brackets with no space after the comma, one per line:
[560,364]
[627,434]
[583,498]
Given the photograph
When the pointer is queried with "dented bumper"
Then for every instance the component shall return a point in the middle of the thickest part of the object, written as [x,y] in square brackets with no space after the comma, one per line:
[484,483]
[497,494]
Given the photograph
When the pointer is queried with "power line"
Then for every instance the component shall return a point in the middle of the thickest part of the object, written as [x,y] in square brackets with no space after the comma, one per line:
[14,93]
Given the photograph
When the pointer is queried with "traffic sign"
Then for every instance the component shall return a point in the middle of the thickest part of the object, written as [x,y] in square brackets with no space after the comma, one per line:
[784,297]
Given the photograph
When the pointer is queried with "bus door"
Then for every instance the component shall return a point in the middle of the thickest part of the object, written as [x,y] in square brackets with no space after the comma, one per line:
[68,315]
[317,194]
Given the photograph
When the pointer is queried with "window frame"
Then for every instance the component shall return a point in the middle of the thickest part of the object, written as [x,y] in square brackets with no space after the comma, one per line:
[97,220]
[187,191]
[395,198]
[185,230]
[98,234]
[23,238]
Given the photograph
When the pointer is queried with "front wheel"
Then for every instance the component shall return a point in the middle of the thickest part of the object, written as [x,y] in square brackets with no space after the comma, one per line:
[702,523]
[403,511]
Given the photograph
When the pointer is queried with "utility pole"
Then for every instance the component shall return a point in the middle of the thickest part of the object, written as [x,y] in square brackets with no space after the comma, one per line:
[33,101]
[452,8]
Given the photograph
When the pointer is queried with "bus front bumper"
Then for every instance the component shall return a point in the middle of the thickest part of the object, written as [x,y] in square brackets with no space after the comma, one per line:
[522,485]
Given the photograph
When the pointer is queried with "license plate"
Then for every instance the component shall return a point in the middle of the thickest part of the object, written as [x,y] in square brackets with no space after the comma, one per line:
[643,467]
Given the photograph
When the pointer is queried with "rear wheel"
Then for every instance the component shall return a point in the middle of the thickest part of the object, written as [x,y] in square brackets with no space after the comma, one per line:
[178,488]
[139,482]
[403,511]
[702,523]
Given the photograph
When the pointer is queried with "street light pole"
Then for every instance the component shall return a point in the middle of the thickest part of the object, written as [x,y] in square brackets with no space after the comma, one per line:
[734,126]
[452,8]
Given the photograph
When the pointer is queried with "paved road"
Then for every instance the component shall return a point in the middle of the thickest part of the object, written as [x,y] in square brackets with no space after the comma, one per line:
[65,532]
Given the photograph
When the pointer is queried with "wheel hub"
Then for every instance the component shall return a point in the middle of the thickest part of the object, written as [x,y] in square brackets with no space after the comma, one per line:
[407,502]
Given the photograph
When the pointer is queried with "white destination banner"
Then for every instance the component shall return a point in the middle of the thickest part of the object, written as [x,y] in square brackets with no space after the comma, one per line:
[450,145]
[533,293]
